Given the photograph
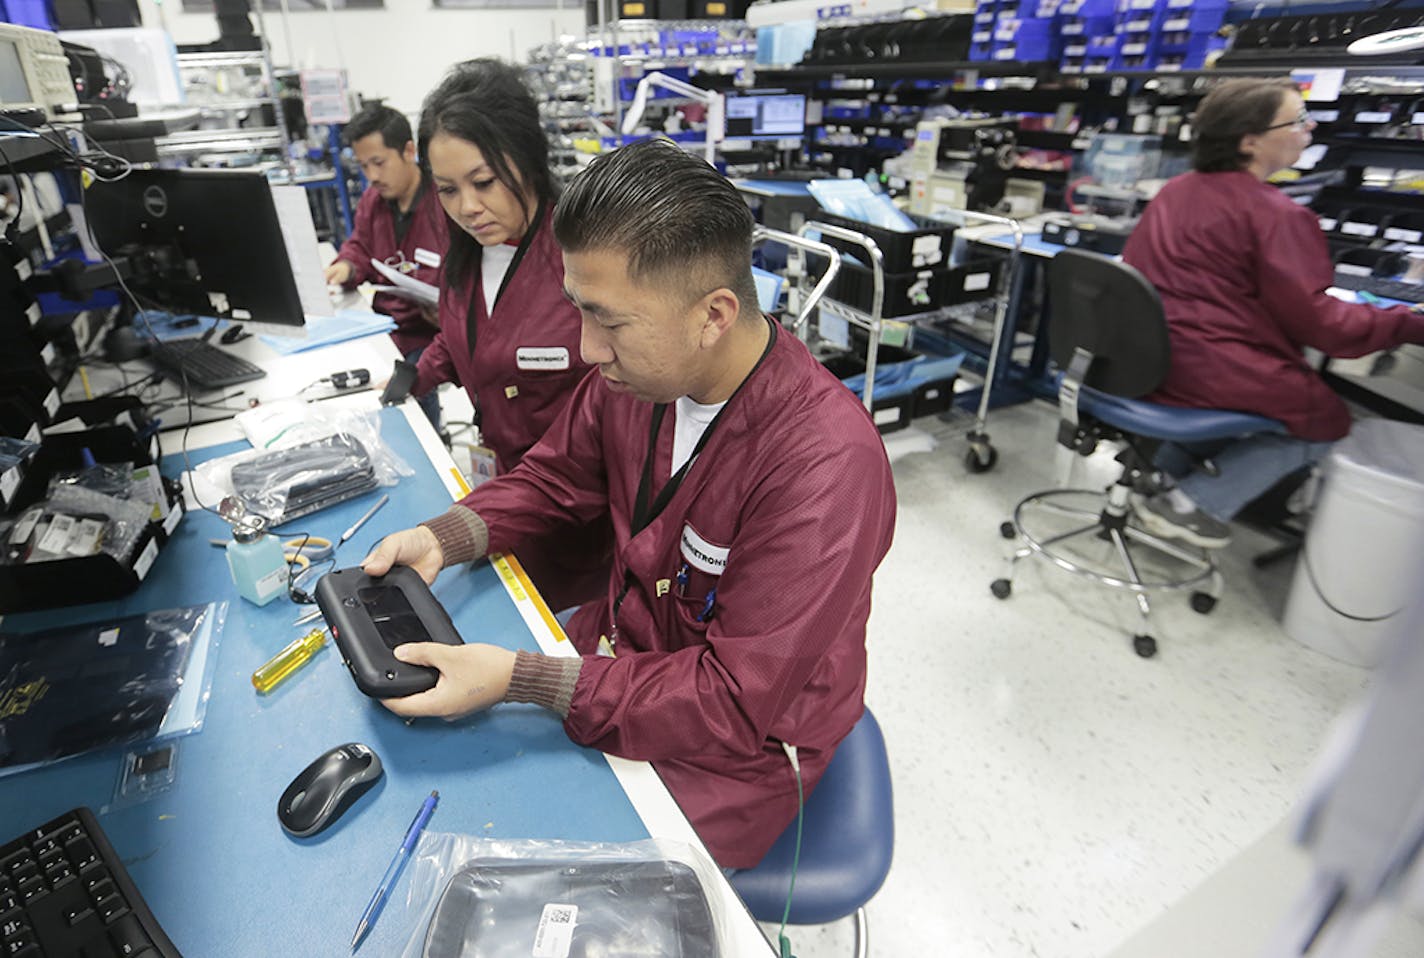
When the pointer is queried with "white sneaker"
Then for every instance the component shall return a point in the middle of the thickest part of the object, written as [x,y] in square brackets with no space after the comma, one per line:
[1157,515]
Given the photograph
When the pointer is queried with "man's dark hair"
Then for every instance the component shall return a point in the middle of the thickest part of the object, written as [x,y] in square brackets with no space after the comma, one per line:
[379,118]
[681,224]
[1235,109]
[485,102]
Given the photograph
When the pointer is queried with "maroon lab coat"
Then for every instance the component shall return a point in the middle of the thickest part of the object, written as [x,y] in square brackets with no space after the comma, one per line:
[1242,272]
[520,373]
[373,236]
[792,501]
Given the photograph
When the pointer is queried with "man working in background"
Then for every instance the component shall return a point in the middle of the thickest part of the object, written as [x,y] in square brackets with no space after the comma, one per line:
[750,498]
[399,222]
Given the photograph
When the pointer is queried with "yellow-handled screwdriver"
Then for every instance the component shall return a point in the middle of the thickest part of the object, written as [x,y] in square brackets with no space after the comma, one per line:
[284,663]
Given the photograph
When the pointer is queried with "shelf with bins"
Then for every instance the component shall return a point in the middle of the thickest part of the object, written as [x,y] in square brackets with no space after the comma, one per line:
[231,88]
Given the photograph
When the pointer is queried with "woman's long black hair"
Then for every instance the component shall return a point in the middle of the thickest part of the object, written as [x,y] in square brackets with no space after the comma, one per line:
[485,102]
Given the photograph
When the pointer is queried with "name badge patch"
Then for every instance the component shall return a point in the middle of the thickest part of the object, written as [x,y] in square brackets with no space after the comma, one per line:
[426,257]
[542,357]
[701,554]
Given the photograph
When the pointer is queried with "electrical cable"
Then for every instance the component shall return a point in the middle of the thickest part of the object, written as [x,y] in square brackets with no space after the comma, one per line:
[19,194]
[784,943]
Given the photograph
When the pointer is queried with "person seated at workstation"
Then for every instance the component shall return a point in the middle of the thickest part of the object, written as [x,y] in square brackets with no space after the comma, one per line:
[508,335]
[398,222]
[1243,271]
[750,495]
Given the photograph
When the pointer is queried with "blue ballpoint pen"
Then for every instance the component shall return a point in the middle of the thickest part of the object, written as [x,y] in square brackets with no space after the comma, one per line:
[378,900]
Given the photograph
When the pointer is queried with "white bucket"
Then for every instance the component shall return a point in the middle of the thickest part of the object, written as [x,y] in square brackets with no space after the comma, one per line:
[1356,571]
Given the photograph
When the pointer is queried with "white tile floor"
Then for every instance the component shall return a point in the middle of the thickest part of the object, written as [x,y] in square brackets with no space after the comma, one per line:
[1053,791]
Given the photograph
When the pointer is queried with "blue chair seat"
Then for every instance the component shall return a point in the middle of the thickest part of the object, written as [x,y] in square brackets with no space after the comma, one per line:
[846,844]
[1172,423]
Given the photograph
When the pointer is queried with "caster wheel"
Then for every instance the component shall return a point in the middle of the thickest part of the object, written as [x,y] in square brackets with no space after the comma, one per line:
[1203,602]
[1001,588]
[1144,645]
[981,458]
[1007,530]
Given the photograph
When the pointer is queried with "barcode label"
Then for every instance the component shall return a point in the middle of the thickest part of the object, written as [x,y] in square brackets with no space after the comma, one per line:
[555,935]
[144,562]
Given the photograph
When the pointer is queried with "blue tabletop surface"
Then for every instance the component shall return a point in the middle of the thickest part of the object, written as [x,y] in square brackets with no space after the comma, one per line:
[209,855]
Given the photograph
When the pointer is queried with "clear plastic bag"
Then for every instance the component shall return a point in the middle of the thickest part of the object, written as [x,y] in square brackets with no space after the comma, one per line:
[72,523]
[317,459]
[480,898]
[72,689]
[110,478]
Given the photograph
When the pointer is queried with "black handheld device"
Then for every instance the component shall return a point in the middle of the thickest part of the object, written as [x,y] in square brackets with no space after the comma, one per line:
[400,383]
[369,616]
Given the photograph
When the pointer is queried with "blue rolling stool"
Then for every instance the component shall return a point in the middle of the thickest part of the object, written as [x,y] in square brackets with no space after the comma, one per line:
[1108,335]
[847,841]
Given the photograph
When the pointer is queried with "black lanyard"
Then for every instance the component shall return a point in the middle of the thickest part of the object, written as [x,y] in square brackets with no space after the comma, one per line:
[643,514]
[475,290]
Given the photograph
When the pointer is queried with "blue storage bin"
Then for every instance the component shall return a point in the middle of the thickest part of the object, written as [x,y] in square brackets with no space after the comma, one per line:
[1103,46]
[1087,8]
[27,13]
[1193,20]
[1006,29]
[981,51]
[1030,49]
[1140,21]
[1080,26]
[1137,45]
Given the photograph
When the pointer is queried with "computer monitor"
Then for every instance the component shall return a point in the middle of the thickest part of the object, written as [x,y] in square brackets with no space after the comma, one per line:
[766,116]
[209,242]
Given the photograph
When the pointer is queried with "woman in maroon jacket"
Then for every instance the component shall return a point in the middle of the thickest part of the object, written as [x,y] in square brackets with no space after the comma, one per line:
[507,333]
[1242,272]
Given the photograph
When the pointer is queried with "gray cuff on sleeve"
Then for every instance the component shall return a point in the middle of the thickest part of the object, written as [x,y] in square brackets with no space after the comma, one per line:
[544,680]
[463,535]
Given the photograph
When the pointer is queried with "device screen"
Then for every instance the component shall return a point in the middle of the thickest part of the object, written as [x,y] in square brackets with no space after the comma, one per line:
[391,611]
[14,88]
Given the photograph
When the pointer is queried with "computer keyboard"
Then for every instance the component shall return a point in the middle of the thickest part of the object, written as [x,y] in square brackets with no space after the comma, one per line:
[1389,288]
[204,365]
[64,892]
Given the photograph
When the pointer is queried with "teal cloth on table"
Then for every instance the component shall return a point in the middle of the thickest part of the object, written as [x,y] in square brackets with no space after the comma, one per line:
[326,330]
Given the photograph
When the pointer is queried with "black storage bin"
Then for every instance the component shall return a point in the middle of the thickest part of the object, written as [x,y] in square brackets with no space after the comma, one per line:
[933,397]
[925,247]
[905,294]
[93,578]
[1365,223]
[976,279]
[888,412]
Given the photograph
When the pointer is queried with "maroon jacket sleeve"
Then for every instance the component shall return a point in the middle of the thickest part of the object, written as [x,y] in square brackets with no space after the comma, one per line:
[560,481]
[1295,269]
[797,586]
[357,248]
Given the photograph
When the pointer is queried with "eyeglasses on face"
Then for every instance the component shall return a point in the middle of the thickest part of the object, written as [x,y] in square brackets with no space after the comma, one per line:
[1302,120]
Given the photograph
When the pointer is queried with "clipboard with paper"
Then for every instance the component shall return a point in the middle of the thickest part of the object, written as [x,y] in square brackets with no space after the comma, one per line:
[406,287]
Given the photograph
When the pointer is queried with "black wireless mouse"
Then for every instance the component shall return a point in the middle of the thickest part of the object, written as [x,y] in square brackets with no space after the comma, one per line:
[326,788]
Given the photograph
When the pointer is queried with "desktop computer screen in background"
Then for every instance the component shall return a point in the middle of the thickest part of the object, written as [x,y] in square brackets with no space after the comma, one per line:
[766,116]
[210,242]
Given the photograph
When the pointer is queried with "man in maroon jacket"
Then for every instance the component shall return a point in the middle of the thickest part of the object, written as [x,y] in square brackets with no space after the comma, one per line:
[750,498]
[1242,272]
[399,222]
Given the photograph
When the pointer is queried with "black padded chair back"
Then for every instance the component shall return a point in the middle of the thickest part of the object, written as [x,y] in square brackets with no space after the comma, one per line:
[1108,308]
